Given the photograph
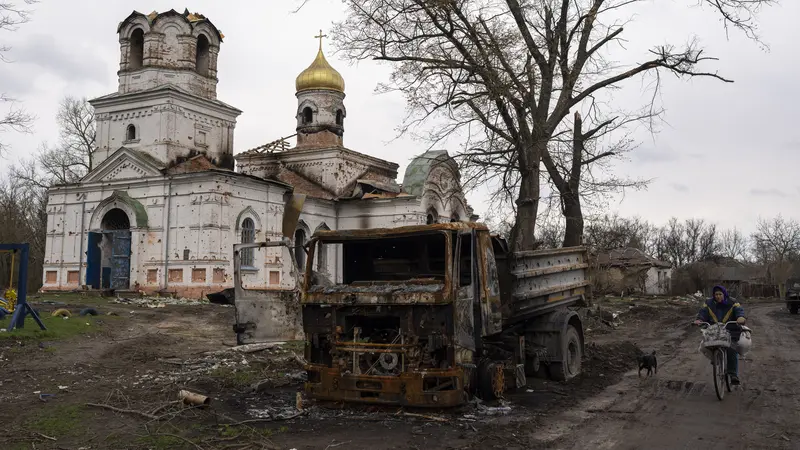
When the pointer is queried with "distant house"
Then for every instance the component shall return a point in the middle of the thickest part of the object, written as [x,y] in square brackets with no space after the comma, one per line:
[741,279]
[630,270]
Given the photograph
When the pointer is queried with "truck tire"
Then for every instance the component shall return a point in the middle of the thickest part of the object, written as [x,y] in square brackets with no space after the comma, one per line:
[570,367]
[491,380]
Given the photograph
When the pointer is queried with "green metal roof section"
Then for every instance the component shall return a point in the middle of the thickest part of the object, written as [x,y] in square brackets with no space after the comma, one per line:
[419,168]
[136,206]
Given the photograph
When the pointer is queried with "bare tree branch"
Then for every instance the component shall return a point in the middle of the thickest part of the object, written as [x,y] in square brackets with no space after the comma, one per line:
[507,74]
[15,118]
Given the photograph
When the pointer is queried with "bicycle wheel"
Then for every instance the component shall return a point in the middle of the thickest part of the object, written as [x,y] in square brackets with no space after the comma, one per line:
[718,365]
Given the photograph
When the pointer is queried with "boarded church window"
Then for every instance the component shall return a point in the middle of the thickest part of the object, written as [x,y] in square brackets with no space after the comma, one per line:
[248,237]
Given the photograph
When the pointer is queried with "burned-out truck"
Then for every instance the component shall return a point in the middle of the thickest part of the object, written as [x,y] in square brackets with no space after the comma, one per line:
[428,315]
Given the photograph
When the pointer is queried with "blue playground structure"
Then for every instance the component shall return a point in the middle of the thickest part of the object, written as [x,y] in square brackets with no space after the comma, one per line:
[22,306]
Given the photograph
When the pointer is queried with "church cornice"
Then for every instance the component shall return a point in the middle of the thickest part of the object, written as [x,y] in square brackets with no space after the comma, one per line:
[160,93]
[202,121]
[314,154]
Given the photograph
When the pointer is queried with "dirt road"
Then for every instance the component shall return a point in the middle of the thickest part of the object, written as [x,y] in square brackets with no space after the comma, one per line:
[678,409]
[141,357]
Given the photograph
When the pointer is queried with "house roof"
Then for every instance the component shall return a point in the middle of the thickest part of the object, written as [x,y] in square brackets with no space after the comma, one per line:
[629,257]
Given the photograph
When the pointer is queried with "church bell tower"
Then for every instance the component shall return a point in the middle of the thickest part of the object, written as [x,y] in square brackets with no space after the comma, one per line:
[320,104]
[166,105]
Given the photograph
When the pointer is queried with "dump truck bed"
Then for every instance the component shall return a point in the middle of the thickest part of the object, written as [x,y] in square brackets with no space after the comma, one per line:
[537,282]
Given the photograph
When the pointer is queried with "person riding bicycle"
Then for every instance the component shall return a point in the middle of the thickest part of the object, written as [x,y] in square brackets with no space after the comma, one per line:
[719,308]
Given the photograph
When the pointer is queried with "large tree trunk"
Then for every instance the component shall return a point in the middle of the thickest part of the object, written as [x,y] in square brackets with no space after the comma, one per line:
[573,215]
[523,234]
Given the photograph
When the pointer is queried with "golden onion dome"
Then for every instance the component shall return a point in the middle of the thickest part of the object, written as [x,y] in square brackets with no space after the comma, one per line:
[319,75]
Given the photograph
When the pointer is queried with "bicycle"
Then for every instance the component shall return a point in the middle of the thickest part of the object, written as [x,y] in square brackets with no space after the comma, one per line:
[716,341]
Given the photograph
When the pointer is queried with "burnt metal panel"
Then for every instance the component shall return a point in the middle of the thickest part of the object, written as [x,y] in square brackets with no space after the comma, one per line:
[265,315]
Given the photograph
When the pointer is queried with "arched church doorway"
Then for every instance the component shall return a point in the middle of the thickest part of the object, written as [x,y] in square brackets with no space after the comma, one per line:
[109,252]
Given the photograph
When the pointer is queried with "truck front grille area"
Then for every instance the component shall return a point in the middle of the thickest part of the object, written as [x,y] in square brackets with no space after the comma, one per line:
[386,354]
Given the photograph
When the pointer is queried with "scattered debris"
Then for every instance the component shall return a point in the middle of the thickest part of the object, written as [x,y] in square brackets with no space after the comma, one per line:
[61,312]
[123,411]
[191,398]
[88,312]
[159,302]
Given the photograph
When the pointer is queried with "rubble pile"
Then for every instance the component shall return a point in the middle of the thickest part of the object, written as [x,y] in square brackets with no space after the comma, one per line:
[276,365]
[160,302]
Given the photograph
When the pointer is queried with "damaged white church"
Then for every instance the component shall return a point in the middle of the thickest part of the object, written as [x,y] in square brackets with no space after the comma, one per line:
[167,199]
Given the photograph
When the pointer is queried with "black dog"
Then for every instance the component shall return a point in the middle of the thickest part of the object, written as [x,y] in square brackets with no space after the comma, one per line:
[648,362]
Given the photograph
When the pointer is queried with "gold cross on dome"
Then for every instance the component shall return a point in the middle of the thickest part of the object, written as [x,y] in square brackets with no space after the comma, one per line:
[320,38]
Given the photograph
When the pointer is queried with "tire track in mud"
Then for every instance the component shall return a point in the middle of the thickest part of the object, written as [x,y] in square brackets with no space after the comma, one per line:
[678,409]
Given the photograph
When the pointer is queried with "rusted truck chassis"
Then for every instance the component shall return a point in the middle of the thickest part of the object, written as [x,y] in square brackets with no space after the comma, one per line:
[429,315]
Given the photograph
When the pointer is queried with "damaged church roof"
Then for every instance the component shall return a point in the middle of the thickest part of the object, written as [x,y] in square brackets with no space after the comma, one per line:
[193,18]
[420,167]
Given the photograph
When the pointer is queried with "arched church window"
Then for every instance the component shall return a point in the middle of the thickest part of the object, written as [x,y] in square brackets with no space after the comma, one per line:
[339,117]
[130,134]
[136,55]
[299,252]
[432,217]
[248,237]
[308,115]
[202,57]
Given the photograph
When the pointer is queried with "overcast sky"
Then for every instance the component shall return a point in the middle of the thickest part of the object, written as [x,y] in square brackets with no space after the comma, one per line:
[728,152]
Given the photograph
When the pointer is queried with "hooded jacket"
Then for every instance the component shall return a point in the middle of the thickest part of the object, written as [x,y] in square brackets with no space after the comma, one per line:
[726,311]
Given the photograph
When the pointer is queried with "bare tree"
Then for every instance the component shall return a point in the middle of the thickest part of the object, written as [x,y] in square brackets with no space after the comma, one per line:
[72,158]
[24,219]
[506,73]
[611,232]
[733,244]
[776,244]
[14,118]
[573,165]
[687,242]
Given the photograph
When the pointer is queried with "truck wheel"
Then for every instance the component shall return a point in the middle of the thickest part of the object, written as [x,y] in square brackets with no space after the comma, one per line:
[532,365]
[570,367]
[491,380]
[793,308]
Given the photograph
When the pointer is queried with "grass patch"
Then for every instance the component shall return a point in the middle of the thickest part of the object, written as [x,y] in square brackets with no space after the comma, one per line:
[236,378]
[57,328]
[162,442]
[249,433]
[60,421]
[295,346]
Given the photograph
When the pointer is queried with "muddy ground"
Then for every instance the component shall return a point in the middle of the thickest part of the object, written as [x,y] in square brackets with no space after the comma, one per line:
[138,359]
